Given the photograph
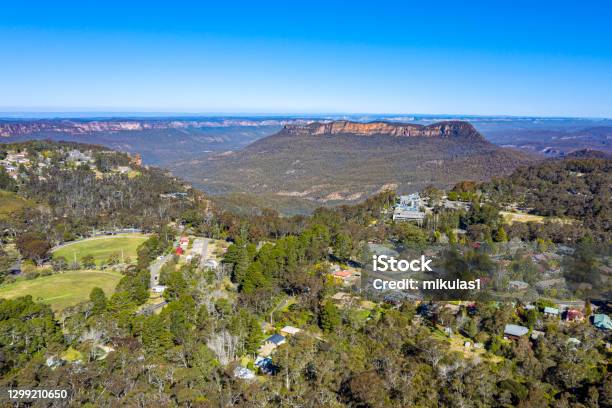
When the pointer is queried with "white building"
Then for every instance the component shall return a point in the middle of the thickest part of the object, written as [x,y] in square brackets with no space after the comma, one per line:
[159,289]
[408,208]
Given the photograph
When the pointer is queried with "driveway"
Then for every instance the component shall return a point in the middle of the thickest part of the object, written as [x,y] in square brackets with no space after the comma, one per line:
[155,268]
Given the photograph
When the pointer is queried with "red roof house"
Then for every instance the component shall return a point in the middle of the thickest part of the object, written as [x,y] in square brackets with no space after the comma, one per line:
[179,251]
[342,274]
[574,315]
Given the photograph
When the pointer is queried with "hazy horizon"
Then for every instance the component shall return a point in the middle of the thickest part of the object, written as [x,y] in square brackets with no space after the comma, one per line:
[79,114]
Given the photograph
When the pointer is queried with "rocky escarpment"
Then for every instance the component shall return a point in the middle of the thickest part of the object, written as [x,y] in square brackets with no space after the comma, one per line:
[448,129]
[10,128]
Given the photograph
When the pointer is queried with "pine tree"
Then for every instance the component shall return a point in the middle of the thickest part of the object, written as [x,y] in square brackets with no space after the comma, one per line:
[500,235]
[329,317]
[253,278]
[254,336]
[98,298]
[342,246]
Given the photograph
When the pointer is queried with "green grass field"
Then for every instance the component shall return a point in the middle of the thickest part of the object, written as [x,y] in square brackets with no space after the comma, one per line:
[63,289]
[512,217]
[101,248]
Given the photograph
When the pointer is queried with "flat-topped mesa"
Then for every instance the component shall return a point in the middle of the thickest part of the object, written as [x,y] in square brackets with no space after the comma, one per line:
[441,129]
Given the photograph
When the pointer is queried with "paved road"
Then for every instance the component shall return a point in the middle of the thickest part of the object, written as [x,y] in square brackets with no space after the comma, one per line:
[155,268]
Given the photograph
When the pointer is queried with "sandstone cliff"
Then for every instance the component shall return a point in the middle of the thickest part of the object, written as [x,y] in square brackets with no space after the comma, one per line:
[446,129]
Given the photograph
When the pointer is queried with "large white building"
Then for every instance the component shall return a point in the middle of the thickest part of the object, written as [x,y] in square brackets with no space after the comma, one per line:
[408,208]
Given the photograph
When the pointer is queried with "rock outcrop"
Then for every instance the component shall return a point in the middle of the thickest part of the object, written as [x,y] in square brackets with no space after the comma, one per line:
[448,129]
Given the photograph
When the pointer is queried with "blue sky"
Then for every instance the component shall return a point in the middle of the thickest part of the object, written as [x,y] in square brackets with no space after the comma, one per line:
[513,58]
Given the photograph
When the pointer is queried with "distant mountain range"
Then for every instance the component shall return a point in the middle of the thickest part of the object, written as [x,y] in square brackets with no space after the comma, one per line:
[554,142]
[298,163]
[16,127]
[161,141]
[342,162]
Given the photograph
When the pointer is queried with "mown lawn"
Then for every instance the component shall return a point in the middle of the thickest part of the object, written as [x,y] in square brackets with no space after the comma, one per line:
[62,289]
[101,248]
[511,217]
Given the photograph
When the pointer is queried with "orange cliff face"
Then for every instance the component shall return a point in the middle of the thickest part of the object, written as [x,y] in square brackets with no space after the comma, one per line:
[441,129]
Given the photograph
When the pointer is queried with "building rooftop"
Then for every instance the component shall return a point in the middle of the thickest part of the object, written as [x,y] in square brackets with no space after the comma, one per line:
[343,274]
[276,339]
[515,330]
[243,373]
[551,310]
[290,330]
[602,321]
[518,284]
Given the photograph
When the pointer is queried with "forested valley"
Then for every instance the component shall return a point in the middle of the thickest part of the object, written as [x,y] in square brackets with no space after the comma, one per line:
[274,273]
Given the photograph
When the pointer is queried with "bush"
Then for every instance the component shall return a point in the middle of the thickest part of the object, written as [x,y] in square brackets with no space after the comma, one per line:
[46,272]
[31,275]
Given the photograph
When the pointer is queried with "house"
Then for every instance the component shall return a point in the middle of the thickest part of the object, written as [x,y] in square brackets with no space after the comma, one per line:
[265,365]
[574,315]
[571,304]
[243,373]
[270,344]
[408,208]
[551,312]
[180,251]
[407,215]
[275,339]
[184,242]
[518,285]
[53,362]
[514,331]
[210,263]
[342,274]
[410,201]
[77,156]
[289,331]
[158,289]
[602,321]
[347,277]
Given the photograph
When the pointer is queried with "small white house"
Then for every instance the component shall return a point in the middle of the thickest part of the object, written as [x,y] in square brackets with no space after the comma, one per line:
[159,289]
[243,373]
[289,331]
[551,312]
[211,263]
